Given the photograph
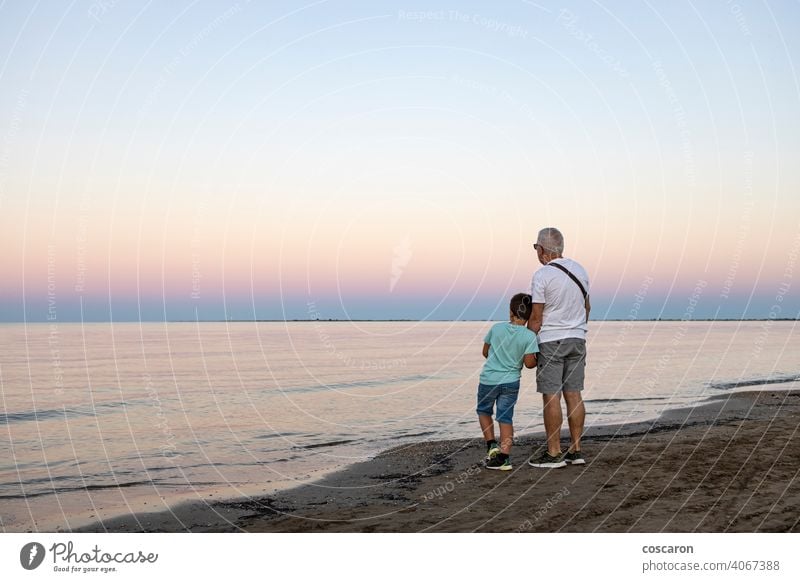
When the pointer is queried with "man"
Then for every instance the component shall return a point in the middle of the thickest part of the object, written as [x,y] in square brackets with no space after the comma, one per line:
[559,317]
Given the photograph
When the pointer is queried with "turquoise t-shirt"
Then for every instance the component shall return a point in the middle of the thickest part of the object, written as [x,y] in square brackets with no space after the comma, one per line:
[509,344]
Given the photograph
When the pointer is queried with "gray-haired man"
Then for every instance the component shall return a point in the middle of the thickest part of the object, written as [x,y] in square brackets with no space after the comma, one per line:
[560,291]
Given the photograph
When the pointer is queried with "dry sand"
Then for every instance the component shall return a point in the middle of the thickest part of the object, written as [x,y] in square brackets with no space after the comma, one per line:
[728,466]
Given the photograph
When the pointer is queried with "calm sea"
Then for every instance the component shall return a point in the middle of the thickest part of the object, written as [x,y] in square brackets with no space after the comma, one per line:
[102,419]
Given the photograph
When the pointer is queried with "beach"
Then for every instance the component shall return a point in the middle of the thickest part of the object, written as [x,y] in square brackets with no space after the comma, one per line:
[728,465]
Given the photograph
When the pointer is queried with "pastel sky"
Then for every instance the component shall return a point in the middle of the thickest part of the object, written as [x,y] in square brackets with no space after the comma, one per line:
[182,160]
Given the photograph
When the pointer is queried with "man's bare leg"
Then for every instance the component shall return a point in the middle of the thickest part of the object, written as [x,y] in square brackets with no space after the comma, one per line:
[552,422]
[576,414]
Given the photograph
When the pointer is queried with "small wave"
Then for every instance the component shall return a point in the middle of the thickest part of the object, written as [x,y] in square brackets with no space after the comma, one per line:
[280,435]
[612,400]
[755,382]
[51,413]
[327,444]
[58,490]
[361,383]
[419,434]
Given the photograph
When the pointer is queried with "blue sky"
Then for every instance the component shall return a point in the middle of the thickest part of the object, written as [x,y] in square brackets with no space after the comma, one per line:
[213,159]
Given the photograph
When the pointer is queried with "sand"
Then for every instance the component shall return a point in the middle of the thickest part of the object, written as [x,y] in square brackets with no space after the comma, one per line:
[731,465]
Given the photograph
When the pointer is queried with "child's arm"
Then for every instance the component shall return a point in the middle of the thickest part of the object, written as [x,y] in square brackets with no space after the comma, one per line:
[537,314]
[529,360]
[485,350]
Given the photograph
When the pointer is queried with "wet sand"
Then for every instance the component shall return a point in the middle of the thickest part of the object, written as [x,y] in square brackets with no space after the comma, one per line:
[731,465]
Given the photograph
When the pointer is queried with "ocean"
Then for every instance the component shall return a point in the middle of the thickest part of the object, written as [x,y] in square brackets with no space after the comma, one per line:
[103,419]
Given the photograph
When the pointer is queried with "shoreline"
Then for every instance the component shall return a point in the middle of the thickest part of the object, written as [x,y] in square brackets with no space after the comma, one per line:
[730,464]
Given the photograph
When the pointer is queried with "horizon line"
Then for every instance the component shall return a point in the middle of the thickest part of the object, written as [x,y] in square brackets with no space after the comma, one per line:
[334,320]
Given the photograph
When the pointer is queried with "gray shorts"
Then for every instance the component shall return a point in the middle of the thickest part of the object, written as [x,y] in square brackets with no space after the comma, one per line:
[561,366]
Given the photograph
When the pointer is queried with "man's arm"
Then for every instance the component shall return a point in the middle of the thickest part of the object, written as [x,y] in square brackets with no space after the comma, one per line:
[588,308]
[535,322]
[485,350]
[530,360]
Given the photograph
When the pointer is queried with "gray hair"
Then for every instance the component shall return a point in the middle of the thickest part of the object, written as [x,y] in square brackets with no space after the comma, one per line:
[551,239]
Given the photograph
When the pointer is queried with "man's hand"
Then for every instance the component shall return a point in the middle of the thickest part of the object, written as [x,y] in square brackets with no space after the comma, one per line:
[485,350]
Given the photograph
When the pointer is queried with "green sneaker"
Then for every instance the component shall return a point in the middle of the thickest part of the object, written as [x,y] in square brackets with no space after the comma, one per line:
[499,464]
[492,450]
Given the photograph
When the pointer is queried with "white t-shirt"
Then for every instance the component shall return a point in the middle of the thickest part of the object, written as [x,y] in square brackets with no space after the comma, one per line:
[564,307]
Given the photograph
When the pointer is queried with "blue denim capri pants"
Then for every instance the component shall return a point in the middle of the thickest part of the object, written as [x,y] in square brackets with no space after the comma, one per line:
[503,395]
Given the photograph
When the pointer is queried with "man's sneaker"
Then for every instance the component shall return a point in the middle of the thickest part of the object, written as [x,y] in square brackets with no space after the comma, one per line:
[547,461]
[499,464]
[575,458]
[492,451]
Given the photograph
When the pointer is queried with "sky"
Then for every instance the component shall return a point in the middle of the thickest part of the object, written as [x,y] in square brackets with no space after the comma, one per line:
[393,160]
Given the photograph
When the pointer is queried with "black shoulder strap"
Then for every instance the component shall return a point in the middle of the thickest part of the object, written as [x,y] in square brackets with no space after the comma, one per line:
[571,276]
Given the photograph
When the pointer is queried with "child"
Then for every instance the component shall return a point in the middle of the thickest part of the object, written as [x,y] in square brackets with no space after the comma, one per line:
[506,347]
